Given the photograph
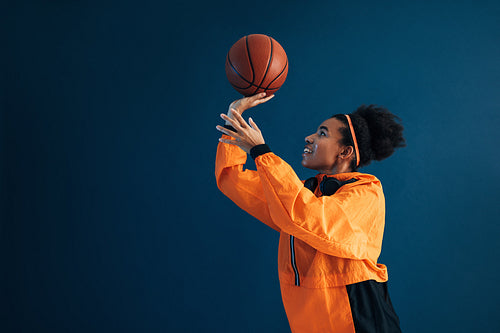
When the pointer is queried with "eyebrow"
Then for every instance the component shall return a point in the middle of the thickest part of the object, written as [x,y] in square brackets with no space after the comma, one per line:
[324,127]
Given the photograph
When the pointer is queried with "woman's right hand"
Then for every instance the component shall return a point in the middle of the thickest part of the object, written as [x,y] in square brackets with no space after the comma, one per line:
[243,104]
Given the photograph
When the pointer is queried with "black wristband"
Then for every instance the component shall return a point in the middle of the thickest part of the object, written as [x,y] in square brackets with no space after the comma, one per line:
[229,127]
[258,150]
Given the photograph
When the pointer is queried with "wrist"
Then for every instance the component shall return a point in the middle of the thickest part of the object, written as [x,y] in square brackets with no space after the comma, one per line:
[230,115]
[258,150]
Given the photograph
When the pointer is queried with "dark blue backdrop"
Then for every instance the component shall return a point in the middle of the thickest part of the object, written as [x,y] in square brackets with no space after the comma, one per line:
[111,219]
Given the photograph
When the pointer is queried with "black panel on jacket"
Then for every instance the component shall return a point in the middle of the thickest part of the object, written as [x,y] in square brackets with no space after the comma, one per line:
[371,308]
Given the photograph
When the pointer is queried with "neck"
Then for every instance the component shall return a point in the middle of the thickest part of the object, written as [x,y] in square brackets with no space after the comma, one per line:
[342,168]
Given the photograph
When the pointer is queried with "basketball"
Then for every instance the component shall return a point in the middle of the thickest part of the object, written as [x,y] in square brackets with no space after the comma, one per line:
[256,63]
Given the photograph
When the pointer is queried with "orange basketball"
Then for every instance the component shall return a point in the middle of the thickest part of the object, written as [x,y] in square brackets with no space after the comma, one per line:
[256,63]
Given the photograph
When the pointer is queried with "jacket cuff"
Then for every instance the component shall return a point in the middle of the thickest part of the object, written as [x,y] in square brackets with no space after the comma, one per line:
[258,150]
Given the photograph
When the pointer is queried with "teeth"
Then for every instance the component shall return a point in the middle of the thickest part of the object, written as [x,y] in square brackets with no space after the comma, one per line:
[307,150]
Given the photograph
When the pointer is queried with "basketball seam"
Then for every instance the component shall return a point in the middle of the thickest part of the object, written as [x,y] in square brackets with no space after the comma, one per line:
[254,85]
[250,59]
[282,71]
[267,69]
[234,69]
[251,85]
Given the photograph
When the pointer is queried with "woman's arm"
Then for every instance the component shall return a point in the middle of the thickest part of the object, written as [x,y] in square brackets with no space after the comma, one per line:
[243,187]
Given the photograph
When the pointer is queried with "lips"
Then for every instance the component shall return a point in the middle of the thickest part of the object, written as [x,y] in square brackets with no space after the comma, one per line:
[308,150]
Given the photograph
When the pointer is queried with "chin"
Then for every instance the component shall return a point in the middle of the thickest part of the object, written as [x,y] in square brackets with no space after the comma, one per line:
[306,165]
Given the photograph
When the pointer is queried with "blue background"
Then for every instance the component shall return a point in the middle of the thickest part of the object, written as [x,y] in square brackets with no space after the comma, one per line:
[111,218]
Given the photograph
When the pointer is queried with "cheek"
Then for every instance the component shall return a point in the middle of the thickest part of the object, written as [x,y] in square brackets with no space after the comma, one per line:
[326,153]
[334,148]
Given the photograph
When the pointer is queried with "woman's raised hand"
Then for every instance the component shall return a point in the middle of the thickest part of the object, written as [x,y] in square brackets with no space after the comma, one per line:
[246,136]
[243,104]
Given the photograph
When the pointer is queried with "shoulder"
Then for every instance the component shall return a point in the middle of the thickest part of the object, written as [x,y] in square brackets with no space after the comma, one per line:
[364,184]
[360,178]
[364,178]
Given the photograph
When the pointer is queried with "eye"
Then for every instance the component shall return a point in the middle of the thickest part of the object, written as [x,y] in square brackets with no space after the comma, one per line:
[321,133]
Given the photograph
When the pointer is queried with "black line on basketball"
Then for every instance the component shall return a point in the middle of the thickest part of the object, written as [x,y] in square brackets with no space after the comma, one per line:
[234,69]
[251,84]
[267,69]
[277,76]
[267,87]
[250,59]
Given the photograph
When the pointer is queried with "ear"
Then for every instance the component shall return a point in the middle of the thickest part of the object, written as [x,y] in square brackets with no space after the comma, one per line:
[346,153]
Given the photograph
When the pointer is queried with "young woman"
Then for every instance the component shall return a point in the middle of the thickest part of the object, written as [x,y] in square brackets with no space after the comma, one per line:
[331,226]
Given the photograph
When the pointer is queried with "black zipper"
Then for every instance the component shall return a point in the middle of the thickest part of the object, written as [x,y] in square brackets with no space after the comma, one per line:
[294,265]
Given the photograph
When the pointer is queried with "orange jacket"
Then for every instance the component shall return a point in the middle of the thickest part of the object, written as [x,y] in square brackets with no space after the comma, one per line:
[338,238]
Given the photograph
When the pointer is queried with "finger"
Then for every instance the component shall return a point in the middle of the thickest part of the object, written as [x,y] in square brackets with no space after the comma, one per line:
[263,100]
[256,97]
[267,98]
[253,124]
[232,121]
[226,131]
[239,118]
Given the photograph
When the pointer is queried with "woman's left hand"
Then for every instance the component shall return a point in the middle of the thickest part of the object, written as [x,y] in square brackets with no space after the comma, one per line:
[246,136]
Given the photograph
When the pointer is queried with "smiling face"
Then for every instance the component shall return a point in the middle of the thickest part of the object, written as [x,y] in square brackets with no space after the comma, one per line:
[323,151]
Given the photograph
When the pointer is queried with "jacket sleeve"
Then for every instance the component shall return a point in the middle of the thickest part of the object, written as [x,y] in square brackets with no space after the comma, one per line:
[243,187]
[338,225]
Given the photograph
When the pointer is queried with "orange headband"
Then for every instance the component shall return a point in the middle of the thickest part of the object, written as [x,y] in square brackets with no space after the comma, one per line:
[353,139]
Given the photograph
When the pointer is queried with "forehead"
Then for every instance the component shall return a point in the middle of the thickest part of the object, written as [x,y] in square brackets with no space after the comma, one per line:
[333,125]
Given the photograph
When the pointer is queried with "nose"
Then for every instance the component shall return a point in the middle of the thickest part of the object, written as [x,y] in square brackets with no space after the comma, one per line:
[309,139]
